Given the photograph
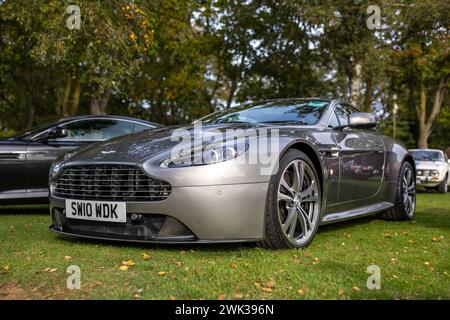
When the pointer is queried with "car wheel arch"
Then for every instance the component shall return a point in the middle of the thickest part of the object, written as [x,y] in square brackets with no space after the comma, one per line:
[313,154]
[409,158]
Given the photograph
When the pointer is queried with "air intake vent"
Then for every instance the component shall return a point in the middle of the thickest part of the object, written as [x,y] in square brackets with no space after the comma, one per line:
[110,183]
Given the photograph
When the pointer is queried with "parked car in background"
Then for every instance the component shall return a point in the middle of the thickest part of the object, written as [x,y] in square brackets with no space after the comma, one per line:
[432,169]
[333,165]
[25,159]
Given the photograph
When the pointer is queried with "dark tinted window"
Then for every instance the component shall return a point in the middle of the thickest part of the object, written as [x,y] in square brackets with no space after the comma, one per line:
[102,129]
[423,155]
[299,111]
[140,127]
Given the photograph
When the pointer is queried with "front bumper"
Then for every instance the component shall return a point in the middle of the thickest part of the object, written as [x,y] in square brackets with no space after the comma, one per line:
[216,213]
[427,181]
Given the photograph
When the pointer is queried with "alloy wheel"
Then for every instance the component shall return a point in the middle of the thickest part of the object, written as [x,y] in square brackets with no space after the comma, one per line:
[298,202]
[409,192]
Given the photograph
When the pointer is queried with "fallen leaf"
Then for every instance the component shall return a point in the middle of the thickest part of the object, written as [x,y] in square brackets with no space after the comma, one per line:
[238,296]
[301,292]
[67,257]
[145,256]
[426,263]
[6,268]
[316,260]
[123,268]
[128,263]
[234,266]
[178,263]
[50,270]
[341,291]
[221,297]
[162,273]
[356,289]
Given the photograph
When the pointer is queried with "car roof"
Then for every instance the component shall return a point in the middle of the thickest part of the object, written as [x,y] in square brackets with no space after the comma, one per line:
[438,150]
[67,119]
[290,100]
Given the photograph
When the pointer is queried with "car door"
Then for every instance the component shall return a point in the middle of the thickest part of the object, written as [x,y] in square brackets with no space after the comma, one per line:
[361,159]
[42,152]
[12,168]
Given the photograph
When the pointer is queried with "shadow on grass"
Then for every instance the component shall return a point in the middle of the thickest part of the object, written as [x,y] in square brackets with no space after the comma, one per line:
[204,247]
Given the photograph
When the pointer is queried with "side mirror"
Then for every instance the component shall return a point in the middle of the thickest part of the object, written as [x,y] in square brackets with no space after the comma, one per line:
[362,120]
[58,132]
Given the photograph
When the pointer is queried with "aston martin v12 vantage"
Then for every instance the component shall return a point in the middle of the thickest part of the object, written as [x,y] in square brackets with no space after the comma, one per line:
[269,172]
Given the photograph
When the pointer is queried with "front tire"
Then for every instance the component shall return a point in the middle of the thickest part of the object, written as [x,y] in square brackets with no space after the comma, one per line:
[293,205]
[405,203]
[442,188]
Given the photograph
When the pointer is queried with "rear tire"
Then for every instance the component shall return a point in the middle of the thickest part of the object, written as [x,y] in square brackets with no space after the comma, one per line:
[442,188]
[405,197]
[293,205]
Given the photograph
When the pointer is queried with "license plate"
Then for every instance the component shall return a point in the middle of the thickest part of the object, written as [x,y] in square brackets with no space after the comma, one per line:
[96,210]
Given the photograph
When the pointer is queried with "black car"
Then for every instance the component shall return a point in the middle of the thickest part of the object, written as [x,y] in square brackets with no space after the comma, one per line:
[25,159]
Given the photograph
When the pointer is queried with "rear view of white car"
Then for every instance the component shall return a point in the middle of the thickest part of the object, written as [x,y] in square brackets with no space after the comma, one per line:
[432,169]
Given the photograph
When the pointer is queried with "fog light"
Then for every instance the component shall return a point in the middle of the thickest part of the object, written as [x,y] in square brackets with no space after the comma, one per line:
[137,218]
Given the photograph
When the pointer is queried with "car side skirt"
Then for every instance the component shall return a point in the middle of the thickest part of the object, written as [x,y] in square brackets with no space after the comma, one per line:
[357,212]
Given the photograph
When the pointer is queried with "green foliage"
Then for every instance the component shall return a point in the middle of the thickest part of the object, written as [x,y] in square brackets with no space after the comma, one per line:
[173,61]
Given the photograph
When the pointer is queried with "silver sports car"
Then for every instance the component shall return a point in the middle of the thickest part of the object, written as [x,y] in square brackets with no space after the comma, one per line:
[269,172]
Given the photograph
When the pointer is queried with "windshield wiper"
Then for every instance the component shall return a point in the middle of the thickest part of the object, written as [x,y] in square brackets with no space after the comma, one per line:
[286,122]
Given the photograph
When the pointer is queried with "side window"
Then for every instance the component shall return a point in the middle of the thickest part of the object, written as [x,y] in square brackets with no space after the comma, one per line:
[342,112]
[140,127]
[334,122]
[102,129]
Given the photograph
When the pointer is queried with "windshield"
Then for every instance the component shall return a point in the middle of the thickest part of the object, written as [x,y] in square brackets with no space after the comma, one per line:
[303,112]
[427,155]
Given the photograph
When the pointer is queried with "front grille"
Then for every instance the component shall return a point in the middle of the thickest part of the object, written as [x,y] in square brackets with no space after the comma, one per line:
[110,183]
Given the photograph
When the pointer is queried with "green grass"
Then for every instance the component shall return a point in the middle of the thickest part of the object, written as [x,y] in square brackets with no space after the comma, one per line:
[414,258]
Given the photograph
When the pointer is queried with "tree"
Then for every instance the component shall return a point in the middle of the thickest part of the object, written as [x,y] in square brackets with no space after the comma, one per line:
[103,54]
[422,60]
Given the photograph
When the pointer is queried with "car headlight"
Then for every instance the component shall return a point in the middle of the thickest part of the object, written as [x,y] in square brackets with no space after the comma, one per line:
[209,154]
[434,173]
[55,168]
[58,164]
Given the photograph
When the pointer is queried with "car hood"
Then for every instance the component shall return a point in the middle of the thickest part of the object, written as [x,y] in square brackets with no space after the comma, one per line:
[429,165]
[135,148]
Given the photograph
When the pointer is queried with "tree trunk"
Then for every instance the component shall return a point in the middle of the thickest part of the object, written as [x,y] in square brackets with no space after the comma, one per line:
[355,83]
[99,102]
[367,107]
[76,96]
[233,89]
[32,114]
[426,126]
[65,102]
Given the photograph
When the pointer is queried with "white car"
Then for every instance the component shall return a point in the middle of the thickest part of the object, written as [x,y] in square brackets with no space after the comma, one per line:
[432,169]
